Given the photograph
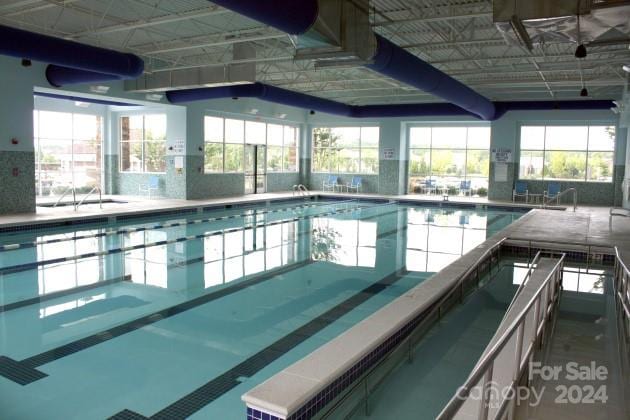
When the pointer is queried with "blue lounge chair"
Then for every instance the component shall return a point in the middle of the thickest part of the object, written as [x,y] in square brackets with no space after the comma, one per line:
[465,187]
[330,183]
[553,191]
[520,190]
[152,185]
[355,184]
[430,186]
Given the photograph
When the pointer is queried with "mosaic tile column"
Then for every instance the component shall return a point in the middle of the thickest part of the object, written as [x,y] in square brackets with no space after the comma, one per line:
[17,182]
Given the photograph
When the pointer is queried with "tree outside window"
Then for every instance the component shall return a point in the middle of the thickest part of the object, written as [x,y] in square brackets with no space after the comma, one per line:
[143,143]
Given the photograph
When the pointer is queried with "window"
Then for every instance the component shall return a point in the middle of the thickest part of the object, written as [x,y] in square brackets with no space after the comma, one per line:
[225,139]
[143,143]
[576,153]
[68,151]
[345,150]
[448,155]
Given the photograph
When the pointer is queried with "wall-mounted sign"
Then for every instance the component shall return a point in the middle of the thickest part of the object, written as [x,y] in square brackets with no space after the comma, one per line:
[501,155]
[500,172]
[179,147]
[388,153]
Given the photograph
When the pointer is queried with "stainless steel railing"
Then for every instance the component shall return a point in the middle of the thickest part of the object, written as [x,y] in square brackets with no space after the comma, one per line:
[100,198]
[371,378]
[557,198]
[622,290]
[65,192]
[538,311]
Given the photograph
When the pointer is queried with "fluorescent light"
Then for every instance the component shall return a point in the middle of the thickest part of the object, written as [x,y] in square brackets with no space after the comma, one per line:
[154,96]
[281,116]
[626,68]
[99,89]
[81,104]
[253,111]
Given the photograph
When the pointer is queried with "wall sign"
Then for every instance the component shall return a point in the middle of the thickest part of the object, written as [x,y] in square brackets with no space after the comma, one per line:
[179,147]
[388,153]
[501,155]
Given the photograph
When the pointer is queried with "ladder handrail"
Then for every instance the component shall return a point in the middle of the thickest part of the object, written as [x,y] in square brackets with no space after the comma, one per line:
[484,366]
[65,192]
[100,198]
[559,196]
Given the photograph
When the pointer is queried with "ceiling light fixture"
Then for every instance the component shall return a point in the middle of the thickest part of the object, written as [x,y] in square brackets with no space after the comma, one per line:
[99,89]
[154,96]
[81,104]
[580,51]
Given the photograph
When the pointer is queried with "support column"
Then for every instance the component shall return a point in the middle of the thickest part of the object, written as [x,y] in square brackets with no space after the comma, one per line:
[392,173]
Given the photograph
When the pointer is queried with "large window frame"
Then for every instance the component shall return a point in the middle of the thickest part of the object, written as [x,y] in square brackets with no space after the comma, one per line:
[358,153]
[536,154]
[77,145]
[470,150]
[217,144]
[145,143]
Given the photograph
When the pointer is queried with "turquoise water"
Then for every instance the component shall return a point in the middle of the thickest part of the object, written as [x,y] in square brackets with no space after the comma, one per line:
[180,315]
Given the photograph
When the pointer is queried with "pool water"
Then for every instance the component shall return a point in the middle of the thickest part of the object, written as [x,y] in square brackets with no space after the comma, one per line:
[178,316]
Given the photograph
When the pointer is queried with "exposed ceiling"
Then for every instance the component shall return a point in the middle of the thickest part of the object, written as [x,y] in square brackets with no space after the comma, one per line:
[458,37]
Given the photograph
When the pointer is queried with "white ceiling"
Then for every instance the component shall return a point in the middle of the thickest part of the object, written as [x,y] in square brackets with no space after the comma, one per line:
[457,37]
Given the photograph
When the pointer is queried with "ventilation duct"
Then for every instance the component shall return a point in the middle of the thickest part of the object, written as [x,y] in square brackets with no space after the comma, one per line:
[303,19]
[601,22]
[86,63]
[211,76]
[304,101]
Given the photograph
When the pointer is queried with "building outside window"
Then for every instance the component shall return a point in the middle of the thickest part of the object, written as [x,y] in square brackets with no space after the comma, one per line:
[442,159]
[225,138]
[143,143]
[567,153]
[348,150]
[68,152]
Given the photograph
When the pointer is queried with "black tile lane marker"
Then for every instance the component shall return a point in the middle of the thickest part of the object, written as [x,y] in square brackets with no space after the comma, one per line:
[61,293]
[11,247]
[215,388]
[25,372]
[31,265]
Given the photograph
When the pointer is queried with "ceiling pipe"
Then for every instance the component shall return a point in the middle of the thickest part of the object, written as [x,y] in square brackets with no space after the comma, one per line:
[71,62]
[297,17]
[313,103]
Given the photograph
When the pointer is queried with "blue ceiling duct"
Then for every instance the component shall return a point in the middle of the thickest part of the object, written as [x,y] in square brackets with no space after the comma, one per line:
[80,62]
[297,17]
[304,101]
[294,17]
[395,62]
[59,76]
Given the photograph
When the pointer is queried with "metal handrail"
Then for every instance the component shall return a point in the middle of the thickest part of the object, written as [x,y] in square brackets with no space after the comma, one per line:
[435,307]
[100,198]
[521,286]
[483,370]
[622,283]
[65,192]
[557,198]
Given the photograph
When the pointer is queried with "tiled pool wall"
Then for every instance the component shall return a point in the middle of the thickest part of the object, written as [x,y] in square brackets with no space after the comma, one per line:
[342,384]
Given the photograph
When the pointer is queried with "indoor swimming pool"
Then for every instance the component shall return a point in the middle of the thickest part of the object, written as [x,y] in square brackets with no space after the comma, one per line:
[178,315]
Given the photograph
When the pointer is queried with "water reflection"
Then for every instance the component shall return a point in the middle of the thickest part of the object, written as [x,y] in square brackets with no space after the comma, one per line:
[346,242]
[437,237]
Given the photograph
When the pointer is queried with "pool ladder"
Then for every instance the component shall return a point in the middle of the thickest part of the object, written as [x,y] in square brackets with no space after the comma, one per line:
[74,197]
[300,189]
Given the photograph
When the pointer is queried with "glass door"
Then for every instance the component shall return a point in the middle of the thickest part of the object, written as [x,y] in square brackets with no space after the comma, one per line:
[255,169]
